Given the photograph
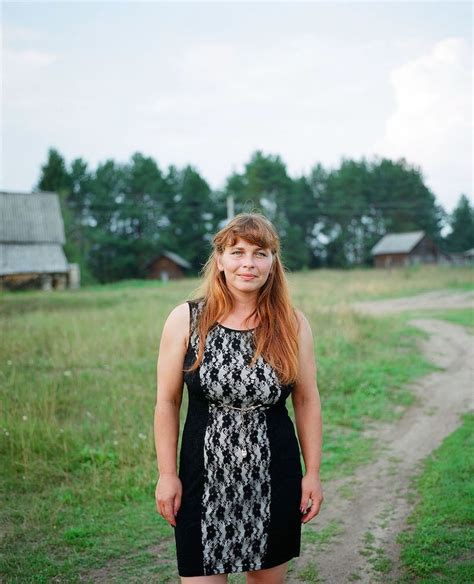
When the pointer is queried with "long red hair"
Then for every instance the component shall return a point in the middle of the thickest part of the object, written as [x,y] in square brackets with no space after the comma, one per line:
[276,337]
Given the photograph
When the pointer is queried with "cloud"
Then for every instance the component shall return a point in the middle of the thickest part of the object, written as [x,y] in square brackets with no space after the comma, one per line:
[21,56]
[432,122]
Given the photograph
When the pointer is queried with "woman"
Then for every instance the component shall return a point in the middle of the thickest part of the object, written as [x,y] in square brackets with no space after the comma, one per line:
[240,497]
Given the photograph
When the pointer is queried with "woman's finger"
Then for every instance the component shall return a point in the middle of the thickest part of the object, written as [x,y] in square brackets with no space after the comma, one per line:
[307,508]
[311,512]
[305,498]
[169,514]
[177,504]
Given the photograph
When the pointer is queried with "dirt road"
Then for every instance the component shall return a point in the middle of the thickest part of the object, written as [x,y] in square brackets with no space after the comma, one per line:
[370,508]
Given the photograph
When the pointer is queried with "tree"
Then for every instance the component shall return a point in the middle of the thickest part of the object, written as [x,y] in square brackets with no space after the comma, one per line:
[363,201]
[461,237]
[346,215]
[54,175]
[141,210]
[403,199]
[78,200]
[190,214]
[314,212]
[106,242]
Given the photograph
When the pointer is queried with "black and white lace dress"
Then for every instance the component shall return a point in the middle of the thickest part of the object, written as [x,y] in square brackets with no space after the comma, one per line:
[239,461]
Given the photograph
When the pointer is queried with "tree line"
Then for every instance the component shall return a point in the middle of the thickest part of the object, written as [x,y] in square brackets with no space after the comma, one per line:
[119,216]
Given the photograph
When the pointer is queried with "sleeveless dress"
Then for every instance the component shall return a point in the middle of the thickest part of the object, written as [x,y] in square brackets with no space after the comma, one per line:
[239,461]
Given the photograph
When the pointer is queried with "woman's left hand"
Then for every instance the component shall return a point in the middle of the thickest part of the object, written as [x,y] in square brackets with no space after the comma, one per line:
[310,489]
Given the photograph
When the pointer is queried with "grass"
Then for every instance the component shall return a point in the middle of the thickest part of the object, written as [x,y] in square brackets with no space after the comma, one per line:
[376,556]
[323,536]
[309,574]
[437,546]
[77,375]
[333,287]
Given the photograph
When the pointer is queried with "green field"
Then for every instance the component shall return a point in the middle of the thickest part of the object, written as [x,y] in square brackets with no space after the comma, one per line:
[437,546]
[77,371]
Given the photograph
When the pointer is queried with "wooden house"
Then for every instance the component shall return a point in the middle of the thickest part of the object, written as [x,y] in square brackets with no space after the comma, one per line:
[405,249]
[31,243]
[167,266]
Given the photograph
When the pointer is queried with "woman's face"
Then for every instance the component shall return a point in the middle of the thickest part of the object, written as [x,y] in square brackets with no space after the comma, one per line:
[246,266]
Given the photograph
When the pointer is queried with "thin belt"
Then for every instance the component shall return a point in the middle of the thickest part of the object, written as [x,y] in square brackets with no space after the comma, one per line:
[219,405]
[243,449]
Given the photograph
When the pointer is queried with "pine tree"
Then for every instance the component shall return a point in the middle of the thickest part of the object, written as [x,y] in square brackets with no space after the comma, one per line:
[461,237]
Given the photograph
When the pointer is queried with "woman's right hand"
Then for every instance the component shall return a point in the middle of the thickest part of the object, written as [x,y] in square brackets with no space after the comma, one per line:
[168,494]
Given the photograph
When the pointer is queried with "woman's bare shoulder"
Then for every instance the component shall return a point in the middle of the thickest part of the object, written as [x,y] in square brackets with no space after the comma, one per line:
[299,313]
[180,312]
[177,322]
[300,316]
[303,322]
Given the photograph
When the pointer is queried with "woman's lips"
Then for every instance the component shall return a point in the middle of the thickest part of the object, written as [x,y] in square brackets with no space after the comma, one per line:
[247,277]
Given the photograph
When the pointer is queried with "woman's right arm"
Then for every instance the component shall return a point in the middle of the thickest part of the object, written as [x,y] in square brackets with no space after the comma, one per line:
[169,375]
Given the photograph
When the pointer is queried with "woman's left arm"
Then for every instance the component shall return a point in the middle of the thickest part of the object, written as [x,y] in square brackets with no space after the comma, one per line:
[307,408]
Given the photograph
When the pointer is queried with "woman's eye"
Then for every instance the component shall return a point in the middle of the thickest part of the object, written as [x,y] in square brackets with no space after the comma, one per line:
[238,252]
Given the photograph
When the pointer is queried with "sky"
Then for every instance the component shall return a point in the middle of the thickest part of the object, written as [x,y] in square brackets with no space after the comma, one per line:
[209,83]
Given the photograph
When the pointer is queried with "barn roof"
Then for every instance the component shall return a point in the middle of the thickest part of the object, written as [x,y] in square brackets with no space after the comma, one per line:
[31,218]
[174,257]
[398,242]
[36,258]
[31,233]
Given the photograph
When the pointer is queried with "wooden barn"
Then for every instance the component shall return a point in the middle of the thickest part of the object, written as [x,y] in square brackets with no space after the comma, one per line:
[167,266]
[405,249]
[31,243]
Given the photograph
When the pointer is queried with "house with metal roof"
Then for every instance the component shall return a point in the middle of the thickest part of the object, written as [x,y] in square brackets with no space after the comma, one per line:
[31,243]
[404,249]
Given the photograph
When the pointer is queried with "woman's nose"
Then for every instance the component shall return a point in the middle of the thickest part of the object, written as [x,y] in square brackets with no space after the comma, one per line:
[248,260]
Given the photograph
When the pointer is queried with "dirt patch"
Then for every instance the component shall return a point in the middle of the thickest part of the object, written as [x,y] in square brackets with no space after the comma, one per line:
[371,507]
[437,299]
